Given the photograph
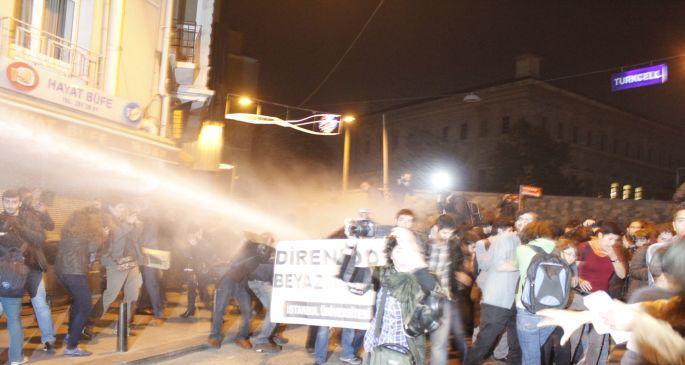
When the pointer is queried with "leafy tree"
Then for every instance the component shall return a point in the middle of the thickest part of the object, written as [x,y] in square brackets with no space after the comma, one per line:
[528,155]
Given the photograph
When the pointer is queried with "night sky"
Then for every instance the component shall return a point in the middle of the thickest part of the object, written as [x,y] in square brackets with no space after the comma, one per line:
[431,47]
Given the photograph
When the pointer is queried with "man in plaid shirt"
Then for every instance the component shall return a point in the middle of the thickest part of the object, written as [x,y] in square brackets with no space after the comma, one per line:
[439,257]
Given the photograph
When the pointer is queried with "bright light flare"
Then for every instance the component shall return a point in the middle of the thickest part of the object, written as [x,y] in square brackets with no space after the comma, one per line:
[441,180]
[349,119]
[245,101]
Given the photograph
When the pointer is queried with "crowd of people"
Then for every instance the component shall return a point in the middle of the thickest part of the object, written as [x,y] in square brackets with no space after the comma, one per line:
[506,287]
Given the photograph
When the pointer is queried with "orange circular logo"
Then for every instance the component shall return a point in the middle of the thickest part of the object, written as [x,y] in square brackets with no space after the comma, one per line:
[22,76]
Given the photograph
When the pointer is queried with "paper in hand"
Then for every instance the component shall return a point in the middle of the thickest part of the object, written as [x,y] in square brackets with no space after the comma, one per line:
[597,303]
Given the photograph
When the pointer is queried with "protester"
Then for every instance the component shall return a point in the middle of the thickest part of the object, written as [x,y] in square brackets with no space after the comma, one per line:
[199,258]
[403,281]
[149,239]
[121,257]
[82,237]
[530,337]
[29,226]
[233,283]
[498,277]
[638,270]
[598,260]
[440,258]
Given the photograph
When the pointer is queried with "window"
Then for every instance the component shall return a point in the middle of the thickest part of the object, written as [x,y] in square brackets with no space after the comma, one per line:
[615,146]
[650,154]
[23,9]
[588,141]
[464,131]
[483,128]
[626,152]
[58,18]
[574,134]
[506,125]
[544,123]
[560,130]
[445,134]
[603,142]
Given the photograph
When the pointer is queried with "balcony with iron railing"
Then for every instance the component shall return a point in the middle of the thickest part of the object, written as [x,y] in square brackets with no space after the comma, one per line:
[185,41]
[19,40]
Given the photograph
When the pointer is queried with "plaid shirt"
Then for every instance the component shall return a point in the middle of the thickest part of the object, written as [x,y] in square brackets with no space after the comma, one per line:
[392,330]
[440,264]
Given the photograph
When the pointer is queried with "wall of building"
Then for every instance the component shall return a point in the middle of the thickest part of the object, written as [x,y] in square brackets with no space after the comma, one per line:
[464,136]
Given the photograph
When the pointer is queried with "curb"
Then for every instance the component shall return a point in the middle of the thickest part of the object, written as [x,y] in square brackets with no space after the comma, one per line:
[166,355]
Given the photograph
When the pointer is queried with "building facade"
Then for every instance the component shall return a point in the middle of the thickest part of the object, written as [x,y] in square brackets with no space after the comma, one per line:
[607,145]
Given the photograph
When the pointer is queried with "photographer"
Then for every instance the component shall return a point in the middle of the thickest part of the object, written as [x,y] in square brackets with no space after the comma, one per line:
[28,228]
[234,283]
[404,280]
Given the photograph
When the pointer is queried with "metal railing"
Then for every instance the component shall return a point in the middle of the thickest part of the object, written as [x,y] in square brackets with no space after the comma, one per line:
[186,40]
[22,41]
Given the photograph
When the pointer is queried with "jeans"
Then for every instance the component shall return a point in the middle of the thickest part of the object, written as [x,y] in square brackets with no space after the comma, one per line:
[197,283]
[81,305]
[12,308]
[151,283]
[36,286]
[349,341]
[450,320]
[226,289]
[130,280]
[595,346]
[530,336]
[493,322]
[262,290]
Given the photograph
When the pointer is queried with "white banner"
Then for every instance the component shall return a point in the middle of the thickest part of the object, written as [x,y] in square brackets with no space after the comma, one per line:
[307,291]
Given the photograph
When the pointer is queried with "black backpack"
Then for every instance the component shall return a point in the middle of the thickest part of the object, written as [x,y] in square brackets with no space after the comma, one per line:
[548,282]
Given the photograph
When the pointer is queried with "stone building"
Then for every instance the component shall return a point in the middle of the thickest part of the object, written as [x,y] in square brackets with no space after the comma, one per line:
[461,132]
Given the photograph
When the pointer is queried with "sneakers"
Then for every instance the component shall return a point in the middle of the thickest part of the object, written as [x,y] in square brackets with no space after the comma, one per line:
[267,348]
[188,313]
[76,352]
[244,343]
[49,347]
[23,361]
[351,360]
[214,343]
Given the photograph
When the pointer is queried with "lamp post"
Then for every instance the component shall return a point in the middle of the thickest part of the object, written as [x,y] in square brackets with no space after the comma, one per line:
[346,152]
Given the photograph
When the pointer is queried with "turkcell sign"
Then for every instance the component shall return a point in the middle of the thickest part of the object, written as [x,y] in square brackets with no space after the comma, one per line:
[640,77]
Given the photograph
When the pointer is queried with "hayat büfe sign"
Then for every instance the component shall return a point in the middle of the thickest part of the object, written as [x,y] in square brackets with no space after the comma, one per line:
[40,83]
[639,77]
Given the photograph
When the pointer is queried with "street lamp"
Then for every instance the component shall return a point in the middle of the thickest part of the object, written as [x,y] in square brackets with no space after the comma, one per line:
[245,101]
[441,181]
[349,119]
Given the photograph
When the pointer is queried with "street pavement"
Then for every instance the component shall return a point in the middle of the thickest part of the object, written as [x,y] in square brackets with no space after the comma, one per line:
[177,341]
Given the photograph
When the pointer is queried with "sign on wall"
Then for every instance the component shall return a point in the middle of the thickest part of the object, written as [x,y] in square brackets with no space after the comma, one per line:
[639,77]
[307,291]
[41,83]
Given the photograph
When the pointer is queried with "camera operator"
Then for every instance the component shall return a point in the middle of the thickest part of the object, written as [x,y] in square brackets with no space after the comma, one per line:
[29,228]
[234,283]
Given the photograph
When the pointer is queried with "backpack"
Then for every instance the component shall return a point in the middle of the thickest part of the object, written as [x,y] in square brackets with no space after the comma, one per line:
[548,282]
[13,270]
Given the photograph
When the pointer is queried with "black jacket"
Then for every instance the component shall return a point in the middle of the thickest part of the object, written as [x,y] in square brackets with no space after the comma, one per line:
[248,258]
[28,228]
[82,235]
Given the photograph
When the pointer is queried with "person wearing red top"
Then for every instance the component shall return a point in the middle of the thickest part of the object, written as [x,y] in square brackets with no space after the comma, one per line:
[598,260]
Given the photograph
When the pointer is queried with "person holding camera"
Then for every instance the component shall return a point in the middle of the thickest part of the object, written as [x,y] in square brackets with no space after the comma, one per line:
[404,283]
[29,228]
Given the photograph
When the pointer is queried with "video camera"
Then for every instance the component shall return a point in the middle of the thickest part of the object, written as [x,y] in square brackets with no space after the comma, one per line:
[360,228]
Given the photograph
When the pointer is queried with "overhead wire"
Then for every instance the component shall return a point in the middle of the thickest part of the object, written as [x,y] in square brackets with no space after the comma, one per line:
[349,48]
[566,77]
